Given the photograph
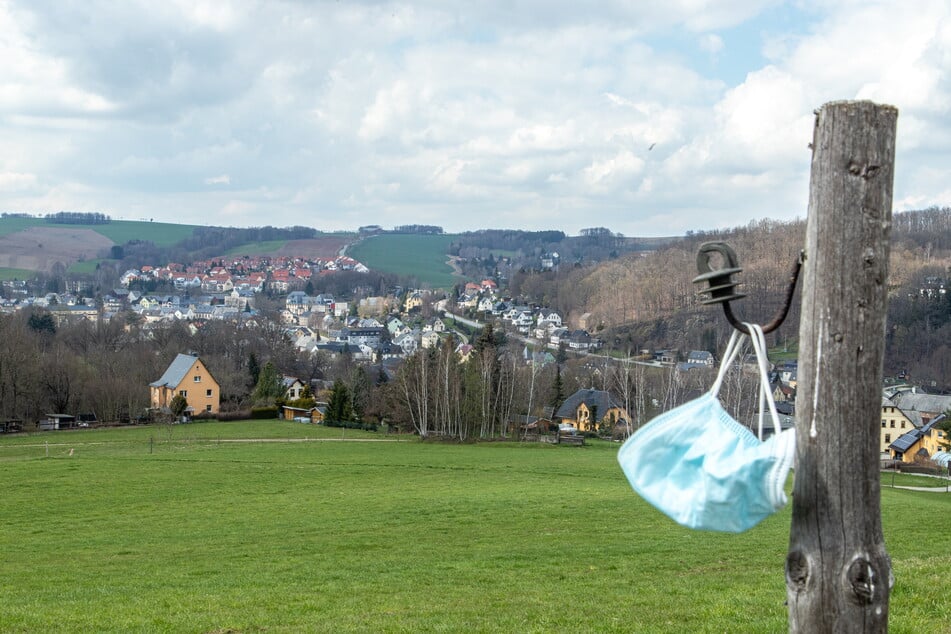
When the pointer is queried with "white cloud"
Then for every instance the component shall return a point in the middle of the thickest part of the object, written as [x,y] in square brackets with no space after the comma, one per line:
[459,114]
[711,43]
[14,181]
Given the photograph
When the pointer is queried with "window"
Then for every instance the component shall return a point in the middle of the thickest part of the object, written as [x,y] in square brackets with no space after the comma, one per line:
[903,424]
[883,424]
[183,393]
[891,424]
[197,378]
[208,393]
[888,437]
[207,408]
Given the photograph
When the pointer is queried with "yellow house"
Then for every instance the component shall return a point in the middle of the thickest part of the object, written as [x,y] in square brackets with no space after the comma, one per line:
[188,376]
[413,300]
[587,410]
[920,443]
[895,423]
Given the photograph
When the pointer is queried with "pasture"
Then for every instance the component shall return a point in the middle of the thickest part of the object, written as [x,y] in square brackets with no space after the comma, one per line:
[206,528]
[117,231]
[418,256]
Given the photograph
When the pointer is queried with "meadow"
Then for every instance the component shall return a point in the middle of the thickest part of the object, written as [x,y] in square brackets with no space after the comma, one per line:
[205,528]
[421,256]
[119,231]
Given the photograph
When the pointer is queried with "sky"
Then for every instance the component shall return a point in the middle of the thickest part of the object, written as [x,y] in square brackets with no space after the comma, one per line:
[648,118]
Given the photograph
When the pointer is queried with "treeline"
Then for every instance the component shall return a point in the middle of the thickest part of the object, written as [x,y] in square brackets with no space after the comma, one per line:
[106,367]
[418,229]
[649,300]
[78,218]
[205,243]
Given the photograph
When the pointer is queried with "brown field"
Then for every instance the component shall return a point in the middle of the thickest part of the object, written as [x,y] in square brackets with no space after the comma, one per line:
[39,248]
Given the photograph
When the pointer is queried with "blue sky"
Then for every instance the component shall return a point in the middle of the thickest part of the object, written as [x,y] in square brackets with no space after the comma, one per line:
[647,118]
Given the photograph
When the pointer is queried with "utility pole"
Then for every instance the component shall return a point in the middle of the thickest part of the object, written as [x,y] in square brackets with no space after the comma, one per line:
[838,573]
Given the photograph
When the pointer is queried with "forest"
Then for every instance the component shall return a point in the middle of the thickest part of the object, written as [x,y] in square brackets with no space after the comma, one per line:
[647,300]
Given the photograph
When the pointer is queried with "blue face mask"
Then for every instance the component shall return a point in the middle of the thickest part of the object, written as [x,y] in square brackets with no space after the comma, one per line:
[703,469]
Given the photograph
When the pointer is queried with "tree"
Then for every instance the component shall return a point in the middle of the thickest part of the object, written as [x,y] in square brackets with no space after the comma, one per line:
[269,387]
[339,405]
[945,426]
[254,369]
[42,322]
[557,390]
[178,405]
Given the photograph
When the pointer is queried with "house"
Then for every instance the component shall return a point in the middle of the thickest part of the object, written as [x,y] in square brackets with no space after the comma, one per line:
[929,406]
[293,387]
[922,443]
[700,357]
[896,423]
[587,410]
[188,376]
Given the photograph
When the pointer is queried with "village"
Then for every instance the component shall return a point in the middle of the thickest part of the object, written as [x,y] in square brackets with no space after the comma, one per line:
[384,330]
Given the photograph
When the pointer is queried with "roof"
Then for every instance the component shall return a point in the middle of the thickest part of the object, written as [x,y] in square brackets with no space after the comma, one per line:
[591,398]
[176,371]
[916,401]
[906,441]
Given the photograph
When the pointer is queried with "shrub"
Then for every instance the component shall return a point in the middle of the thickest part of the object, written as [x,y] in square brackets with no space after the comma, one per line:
[264,412]
[235,415]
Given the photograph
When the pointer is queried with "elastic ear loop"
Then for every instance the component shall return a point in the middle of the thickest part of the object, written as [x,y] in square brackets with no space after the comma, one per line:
[759,346]
[732,349]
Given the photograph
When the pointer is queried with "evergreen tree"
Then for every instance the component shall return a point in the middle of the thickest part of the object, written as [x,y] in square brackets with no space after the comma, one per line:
[557,390]
[339,408]
[178,405]
[269,387]
[254,369]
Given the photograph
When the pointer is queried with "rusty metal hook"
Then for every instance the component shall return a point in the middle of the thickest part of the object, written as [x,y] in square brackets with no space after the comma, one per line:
[722,287]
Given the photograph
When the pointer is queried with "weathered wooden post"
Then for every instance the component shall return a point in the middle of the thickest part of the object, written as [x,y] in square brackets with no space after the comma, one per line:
[837,571]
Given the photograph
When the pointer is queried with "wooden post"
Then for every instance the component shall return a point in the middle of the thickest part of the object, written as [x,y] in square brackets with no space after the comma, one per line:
[838,574]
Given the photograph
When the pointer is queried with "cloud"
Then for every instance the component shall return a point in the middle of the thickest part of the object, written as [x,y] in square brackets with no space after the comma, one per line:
[458,114]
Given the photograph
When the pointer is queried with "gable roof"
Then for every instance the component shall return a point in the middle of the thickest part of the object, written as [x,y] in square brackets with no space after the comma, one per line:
[904,442]
[592,398]
[176,371]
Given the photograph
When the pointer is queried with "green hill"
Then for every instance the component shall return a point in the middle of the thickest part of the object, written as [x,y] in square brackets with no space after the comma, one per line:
[119,231]
[423,257]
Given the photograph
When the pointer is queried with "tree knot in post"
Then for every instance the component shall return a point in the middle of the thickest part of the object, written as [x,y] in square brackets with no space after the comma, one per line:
[863,169]
[797,571]
[863,581]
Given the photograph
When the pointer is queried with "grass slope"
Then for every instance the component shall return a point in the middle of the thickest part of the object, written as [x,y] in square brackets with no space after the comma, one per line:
[16,274]
[119,231]
[419,256]
[194,533]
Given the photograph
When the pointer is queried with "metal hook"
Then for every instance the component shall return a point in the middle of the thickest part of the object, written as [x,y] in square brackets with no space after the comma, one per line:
[722,287]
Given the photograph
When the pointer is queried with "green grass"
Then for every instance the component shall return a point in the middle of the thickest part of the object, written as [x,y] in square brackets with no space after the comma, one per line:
[119,231]
[419,256]
[202,535]
[87,267]
[17,274]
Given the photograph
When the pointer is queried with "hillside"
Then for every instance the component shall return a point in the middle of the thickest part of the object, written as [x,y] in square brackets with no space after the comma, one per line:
[648,300]
[422,258]
[34,244]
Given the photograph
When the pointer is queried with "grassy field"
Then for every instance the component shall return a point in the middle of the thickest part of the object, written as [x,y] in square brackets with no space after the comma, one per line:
[179,528]
[16,274]
[419,256]
[119,231]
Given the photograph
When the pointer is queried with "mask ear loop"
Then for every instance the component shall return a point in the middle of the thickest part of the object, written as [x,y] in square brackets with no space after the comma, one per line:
[732,350]
[765,396]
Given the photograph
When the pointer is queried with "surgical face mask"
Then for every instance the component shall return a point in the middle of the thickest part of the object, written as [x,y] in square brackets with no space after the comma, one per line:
[703,469]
